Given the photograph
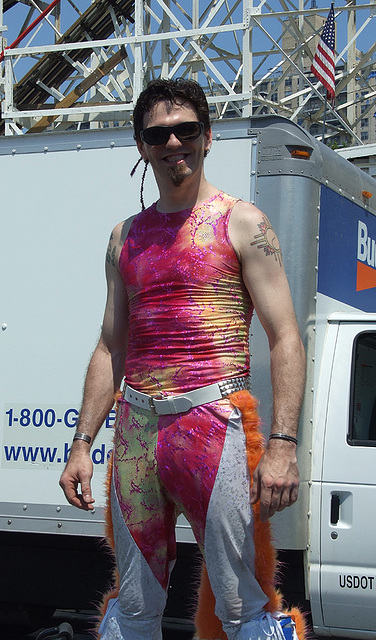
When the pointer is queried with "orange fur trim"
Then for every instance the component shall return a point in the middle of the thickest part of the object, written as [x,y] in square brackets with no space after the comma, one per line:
[266,566]
[207,624]
[108,526]
[266,556]
[300,623]
[109,529]
[117,395]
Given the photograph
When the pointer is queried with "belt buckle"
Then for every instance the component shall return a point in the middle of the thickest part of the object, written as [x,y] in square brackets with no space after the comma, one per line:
[151,407]
[171,404]
[136,398]
[160,397]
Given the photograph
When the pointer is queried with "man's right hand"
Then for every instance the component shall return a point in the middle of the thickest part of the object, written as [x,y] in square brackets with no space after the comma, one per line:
[77,474]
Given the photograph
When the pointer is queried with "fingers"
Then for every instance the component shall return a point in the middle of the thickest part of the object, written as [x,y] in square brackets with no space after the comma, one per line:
[275,484]
[276,498]
[85,498]
[70,481]
[86,490]
[288,497]
[82,500]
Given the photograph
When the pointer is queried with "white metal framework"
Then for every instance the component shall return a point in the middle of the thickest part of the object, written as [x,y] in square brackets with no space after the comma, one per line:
[250,56]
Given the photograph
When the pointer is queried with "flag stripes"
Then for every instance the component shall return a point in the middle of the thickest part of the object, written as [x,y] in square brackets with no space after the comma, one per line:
[323,66]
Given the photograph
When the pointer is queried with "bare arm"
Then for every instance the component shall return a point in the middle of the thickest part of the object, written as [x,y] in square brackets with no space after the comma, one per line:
[276,479]
[103,377]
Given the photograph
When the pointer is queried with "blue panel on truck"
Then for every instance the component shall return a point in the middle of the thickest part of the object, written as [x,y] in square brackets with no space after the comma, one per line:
[347,251]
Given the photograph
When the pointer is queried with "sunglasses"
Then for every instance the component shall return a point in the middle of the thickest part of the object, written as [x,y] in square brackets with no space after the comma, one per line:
[182,131]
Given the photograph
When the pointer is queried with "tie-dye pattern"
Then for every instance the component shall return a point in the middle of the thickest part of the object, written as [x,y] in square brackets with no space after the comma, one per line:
[164,466]
[189,312]
[189,317]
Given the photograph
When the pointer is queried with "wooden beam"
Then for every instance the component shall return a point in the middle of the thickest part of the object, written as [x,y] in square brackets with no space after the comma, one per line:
[80,89]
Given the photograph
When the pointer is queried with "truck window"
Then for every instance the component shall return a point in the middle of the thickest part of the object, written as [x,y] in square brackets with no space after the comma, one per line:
[362,431]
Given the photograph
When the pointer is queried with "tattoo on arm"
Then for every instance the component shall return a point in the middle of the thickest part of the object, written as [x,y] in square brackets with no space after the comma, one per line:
[267,240]
[111,252]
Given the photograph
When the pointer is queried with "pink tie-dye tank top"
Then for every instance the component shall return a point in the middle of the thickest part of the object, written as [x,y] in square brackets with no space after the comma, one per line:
[189,311]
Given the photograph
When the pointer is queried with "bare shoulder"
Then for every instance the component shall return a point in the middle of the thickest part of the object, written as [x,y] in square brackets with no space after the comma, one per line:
[117,238]
[257,246]
[250,230]
[245,216]
[120,232]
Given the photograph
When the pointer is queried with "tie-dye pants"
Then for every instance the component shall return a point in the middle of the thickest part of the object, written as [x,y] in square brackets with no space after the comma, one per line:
[193,463]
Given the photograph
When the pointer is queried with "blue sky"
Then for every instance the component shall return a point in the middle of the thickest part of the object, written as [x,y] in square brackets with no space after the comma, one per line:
[15,17]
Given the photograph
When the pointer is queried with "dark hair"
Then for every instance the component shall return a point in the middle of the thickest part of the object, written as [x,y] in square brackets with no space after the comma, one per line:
[177,91]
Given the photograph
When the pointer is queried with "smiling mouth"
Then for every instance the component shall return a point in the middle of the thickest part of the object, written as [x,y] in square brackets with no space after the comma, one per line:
[176,159]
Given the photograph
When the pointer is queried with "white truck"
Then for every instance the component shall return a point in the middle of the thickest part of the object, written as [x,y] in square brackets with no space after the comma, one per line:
[61,194]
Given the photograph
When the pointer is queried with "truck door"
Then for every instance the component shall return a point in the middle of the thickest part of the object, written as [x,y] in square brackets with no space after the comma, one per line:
[348,490]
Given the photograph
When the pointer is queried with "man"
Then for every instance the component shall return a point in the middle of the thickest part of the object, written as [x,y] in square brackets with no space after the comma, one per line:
[183,277]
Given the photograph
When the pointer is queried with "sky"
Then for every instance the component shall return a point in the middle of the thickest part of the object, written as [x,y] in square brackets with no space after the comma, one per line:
[15,17]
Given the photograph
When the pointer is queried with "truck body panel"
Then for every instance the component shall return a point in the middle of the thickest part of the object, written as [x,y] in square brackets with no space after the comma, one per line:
[62,195]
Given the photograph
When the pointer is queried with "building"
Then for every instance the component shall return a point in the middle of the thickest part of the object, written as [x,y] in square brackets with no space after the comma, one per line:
[283,91]
[363,156]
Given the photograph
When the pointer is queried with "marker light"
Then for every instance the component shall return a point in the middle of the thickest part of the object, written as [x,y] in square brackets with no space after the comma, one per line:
[300,153]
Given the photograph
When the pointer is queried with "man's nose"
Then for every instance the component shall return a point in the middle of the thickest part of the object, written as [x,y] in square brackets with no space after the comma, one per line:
[173,141]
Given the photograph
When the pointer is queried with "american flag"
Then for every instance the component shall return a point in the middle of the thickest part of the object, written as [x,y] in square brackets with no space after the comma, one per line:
[323,62]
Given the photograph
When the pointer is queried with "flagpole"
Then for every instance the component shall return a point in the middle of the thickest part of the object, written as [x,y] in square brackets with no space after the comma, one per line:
[324,118]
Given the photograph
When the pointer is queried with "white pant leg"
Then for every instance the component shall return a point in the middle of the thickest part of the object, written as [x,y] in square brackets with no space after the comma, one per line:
[229,545]
[136,614]
[264,626]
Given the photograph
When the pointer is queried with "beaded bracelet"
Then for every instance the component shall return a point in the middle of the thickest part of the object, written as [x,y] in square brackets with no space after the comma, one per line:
[82,436]
[283,436]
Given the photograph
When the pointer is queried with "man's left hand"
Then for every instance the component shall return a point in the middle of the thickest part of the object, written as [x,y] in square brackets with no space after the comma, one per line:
[276,479]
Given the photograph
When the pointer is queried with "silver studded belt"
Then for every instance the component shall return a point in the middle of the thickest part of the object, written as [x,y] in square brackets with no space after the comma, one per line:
[166,405]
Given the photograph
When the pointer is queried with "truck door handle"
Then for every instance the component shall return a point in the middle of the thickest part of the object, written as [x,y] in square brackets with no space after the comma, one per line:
[334,508]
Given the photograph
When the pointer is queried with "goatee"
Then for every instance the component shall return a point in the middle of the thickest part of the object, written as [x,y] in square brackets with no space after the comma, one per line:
[177,176]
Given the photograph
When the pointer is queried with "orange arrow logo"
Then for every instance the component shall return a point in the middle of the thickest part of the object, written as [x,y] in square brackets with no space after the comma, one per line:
[365,277]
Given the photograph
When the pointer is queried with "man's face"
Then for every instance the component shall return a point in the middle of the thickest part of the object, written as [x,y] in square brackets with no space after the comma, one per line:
[174,161]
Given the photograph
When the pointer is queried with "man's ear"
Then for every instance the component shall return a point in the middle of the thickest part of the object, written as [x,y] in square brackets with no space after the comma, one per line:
[208,139]
[140,147]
